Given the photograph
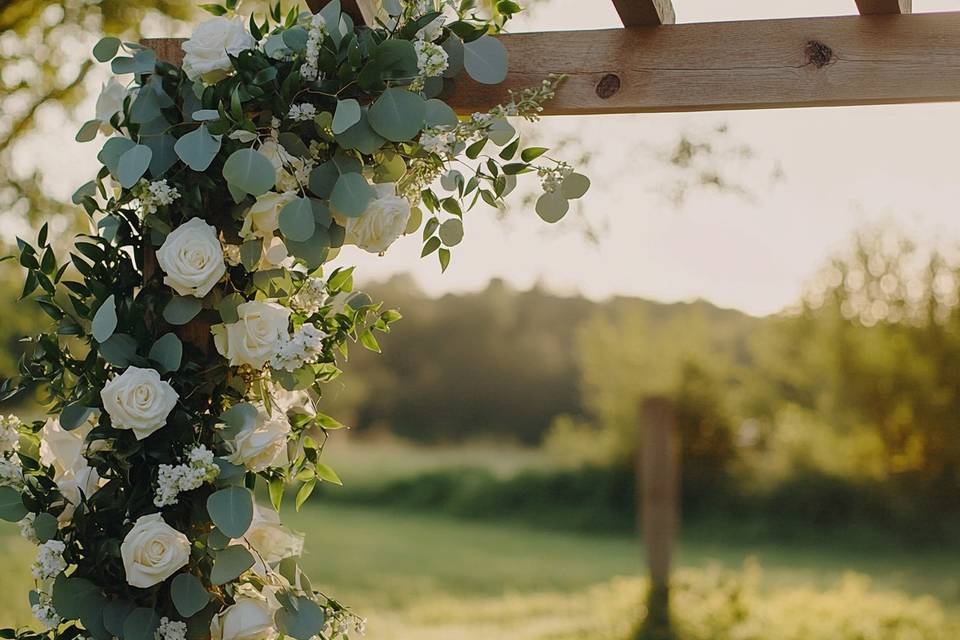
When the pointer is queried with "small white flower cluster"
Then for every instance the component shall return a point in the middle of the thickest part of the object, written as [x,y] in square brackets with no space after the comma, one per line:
[340,623]
[156,194]
[315,35]
[49,563]
[9,434]
[27,532]
[231,254]
[44,612]
[170,630]
[192,474]
[432,60]
[311,296]
[11,475]
[440,141]
[303,347]
[302,112]
[552,178]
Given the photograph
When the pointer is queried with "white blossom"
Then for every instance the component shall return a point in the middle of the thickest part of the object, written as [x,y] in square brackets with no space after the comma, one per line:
[432,60]
[9,433]
[170,630]
[192,474]
[315,35]
[304,346]
[302,112]
[27,531]
[438,141]
[311,296]
[156,194]
[44,612]
[49,563]
[11,475]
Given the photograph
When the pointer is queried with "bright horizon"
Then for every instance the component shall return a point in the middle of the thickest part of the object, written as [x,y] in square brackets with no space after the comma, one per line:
[842,168]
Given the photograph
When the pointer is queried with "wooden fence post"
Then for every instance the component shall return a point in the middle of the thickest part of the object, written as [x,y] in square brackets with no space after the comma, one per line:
[658,478]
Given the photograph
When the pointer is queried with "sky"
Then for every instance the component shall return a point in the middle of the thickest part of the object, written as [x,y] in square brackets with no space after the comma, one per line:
[840,169]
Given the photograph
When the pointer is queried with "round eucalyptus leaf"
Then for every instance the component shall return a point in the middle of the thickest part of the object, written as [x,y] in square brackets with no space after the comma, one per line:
[106,49]
[112,150]
[181,310]
[414,221]
[205,115]
[133,164]
[552,207]
[88,131]
[501,132]
[313,251]
[120,350]
[198,148]
[323,178]
[250,171]
[11,505]
[45,526]
[141,624]
[296,220]
[398,114]
[451,232]
[115,613]
[167,352]
[231,509]
[239,417]
[347,115]
[321,213]
[229,563]
[228,307]
[351,195]
[485,60]
[575,186]
[295,38]
[188,594]
[105,320]
[454,48]
[300,618]
[361,136]
[70,595]
[439,114]
[164,153]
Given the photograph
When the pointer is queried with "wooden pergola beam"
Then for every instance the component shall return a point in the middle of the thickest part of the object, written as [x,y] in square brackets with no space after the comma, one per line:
[877,7]
[645,13]
[807,62]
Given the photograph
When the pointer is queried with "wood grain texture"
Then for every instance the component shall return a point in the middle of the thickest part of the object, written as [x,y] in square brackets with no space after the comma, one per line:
[809,62]
[659,479]
[645,13]
[875,7]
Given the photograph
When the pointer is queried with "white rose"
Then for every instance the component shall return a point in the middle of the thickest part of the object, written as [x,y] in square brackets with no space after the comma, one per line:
[264,444]
[139,400]
[205,53]
[263,218]
[253,339]
[109,103]
[192,258]
[247,619]
[382,223]
[62,449]
[270,539]
[153,551]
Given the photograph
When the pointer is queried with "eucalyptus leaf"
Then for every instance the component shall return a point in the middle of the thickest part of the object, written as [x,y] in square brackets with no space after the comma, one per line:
[45,526]
[74,415]
[105,320]
[141,624]
[120,350]
[106,49]
[250,171]
[398,114]
[347,115]
[181,310]
[167,352]
[198,148]
[115,613]
[351,195]
[164,153]
[112,150]
[296,220]
[575,186]
[88,131]
[300,618]
[142,62]
[439,114]
[231,510]
[451,232]
[11,505]
[361,136]
[188,594]
[313,251]
[552,207]
[229,563]
[485,60]
[133,164]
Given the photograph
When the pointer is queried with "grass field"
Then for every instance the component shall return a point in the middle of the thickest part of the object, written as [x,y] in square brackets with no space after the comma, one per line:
[430,577]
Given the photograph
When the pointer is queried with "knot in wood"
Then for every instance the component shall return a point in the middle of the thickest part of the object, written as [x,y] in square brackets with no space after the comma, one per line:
[608,85]
[818,54]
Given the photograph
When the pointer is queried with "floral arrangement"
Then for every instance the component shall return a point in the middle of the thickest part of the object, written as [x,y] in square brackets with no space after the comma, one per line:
[195,327]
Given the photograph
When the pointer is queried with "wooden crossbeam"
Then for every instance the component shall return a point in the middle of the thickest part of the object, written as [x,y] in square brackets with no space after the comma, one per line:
[808,62]
[876,7]
[645,13]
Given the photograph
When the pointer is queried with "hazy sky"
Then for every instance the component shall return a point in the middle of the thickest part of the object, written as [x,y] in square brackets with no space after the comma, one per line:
[842,168]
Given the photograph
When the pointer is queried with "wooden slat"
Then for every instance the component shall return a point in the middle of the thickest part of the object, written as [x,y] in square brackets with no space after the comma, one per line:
[645,13]
[876,7]
[809,62]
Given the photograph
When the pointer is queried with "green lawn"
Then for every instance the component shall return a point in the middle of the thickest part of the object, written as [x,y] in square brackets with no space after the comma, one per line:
[416,575]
